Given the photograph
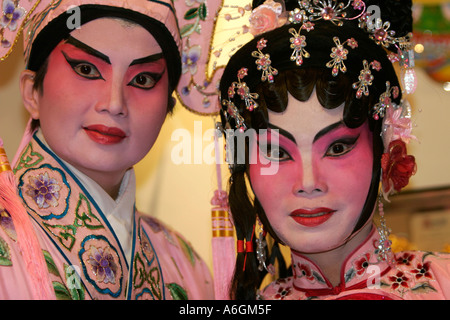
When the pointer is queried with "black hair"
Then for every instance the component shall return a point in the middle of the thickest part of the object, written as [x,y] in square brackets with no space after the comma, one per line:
[300,82]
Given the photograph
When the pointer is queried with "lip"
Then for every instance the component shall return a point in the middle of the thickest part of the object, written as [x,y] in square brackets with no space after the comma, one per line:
[105,135]
[312,217]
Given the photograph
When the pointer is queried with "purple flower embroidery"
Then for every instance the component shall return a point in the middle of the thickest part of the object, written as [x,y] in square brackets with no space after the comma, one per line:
[44,190]
[103,265]
[190,58]
[11,15]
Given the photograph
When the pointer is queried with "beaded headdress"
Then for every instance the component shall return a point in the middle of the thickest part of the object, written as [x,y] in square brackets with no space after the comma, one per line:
[302,21]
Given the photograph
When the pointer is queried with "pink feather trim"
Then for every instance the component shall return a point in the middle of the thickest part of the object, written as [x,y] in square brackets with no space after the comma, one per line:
[26,237]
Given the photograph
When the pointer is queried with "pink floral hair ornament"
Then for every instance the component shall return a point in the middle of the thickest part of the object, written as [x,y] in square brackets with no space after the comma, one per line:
[339,54]
[268,16]
[365,78]
[243,91]
[263,62]
[397,123]
[298,43]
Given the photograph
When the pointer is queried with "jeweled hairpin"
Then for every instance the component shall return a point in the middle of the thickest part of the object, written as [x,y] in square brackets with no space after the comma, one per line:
[339,54]
[365,78]
[330,10]
[233,112]
[263,62]
[298,43]
[385,101]
[380,33]
[243,91]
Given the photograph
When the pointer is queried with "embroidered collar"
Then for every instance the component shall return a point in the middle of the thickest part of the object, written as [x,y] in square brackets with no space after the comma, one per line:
[357,271]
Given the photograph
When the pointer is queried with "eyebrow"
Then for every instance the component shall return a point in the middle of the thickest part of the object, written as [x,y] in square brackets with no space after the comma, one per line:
[320,134]
[89,50]
[283,132]
[150,58]
[327,129]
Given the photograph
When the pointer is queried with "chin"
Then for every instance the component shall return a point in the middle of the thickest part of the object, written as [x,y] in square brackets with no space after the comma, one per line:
[317,243]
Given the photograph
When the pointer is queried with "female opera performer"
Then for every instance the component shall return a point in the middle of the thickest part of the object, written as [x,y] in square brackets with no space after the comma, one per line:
[316,95]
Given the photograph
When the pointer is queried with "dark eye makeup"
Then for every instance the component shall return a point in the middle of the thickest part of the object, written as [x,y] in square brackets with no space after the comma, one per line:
[341,146]
[83,68]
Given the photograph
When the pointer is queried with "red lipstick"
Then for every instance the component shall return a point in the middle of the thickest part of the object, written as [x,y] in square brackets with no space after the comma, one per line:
[312,217]
[104,135]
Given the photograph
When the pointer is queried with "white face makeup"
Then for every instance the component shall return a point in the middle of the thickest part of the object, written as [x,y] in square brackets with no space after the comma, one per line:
[316,196]
[104,98]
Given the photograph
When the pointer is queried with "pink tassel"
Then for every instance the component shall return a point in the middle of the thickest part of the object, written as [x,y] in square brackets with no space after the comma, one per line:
[224,254]
[223,250]
[26,237]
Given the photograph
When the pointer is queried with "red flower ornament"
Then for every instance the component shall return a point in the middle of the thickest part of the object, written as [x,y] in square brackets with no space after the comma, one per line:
[397,167]
[362,264]
[399,280]
[422,270]
[305,271]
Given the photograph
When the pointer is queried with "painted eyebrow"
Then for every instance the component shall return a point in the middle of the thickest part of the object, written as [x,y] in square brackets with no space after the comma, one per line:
[150,58]
[327,129]
[283,132]
[89,50]
[320,134]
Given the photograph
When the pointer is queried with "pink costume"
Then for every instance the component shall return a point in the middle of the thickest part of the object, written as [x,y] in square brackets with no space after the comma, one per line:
[415,275]
[94,247]
[85,257]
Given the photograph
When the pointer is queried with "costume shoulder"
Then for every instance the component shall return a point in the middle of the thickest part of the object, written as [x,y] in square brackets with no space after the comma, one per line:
[14,280]
[182,266]
[428,273]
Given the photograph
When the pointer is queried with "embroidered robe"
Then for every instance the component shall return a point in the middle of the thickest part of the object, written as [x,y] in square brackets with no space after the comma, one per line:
[84,256]
[416,275]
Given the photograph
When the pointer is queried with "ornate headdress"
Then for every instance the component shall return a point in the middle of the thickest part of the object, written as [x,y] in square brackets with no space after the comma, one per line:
[46,22]
[301,24]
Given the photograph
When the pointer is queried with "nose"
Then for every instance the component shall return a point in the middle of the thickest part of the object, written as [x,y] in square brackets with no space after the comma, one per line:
[309,180]
[114,101]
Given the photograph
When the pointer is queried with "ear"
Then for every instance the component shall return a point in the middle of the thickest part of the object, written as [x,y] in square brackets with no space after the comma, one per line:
[30,96]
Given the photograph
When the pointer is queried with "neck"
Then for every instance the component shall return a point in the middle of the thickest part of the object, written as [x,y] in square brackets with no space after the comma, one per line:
[110,182]
[330,262]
